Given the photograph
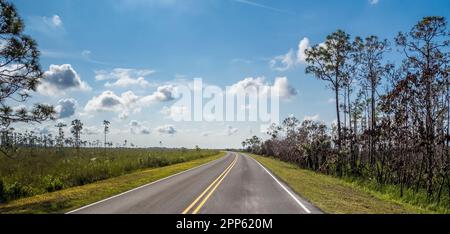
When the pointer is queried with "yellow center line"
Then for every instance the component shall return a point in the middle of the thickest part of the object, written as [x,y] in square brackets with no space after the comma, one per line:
[212,184]
[212,191]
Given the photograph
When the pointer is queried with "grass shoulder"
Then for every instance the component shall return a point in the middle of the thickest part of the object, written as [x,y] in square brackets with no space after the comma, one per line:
[334,195]
[72,198]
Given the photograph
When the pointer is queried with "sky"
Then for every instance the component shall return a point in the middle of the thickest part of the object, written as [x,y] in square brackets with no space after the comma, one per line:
[121,60]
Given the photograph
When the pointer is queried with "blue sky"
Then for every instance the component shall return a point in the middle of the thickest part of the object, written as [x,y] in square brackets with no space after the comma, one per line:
[170,41]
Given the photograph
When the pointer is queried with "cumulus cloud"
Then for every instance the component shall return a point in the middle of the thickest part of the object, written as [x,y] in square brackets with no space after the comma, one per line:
[135,123]
[283,62]
[291,59]
[128,102]
[163,93]
[145,131]
[373,2]
[138,128]
[281,84]
[166,129]
[124,77]
[175,111]
[250,84]
[108,101]
[60,78]
[66,108]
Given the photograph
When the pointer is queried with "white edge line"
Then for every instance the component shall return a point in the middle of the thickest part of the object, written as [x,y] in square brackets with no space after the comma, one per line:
[142,186]
[285,189]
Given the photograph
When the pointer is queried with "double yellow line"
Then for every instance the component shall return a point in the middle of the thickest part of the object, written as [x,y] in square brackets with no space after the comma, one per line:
[211,188]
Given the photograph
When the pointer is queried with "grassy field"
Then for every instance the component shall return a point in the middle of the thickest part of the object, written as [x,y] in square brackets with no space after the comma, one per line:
[334,195]
[72,198]
[36,171]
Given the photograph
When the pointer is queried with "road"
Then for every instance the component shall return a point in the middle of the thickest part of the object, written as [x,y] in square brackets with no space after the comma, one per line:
[233,184]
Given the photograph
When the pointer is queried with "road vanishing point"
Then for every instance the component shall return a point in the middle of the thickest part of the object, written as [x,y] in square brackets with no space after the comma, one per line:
[232,184]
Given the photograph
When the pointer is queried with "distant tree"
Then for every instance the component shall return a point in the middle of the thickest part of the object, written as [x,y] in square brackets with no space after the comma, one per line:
[20,72]
[106,125]
[252,144]
[77,126]
[60,137]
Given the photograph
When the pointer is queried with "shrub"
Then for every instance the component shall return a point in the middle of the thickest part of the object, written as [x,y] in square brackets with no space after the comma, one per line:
[17,190]
[52,183]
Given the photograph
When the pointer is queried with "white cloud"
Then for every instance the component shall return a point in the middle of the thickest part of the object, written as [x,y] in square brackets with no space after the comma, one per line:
[291,59]
[166,129]
[60,78]
[53,21]
[124,77]
[56,20]
[128,102]
[66,108]
[135,123]
[312,118]
[281,84]
[303,45]
[283,62]
[108,101]
[373,2]
[139,128]
[174,111]
[163,93]
[145,131]
[125,82]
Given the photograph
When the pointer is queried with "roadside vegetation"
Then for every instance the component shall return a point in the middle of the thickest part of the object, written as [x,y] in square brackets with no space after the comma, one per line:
[71,198]
[336,195]
[40,170]
[392,127]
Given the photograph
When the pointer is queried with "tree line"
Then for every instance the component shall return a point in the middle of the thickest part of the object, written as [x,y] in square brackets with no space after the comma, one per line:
[11,140]
[392,120]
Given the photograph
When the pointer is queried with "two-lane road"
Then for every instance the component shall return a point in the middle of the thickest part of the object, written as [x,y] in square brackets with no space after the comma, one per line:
[235,184]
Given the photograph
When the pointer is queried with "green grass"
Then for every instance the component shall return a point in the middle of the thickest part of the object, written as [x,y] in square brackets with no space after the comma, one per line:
[334,195]
[36,171]
[72,198]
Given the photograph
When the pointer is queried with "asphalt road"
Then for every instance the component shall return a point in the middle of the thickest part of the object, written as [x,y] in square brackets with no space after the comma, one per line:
[235,184]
